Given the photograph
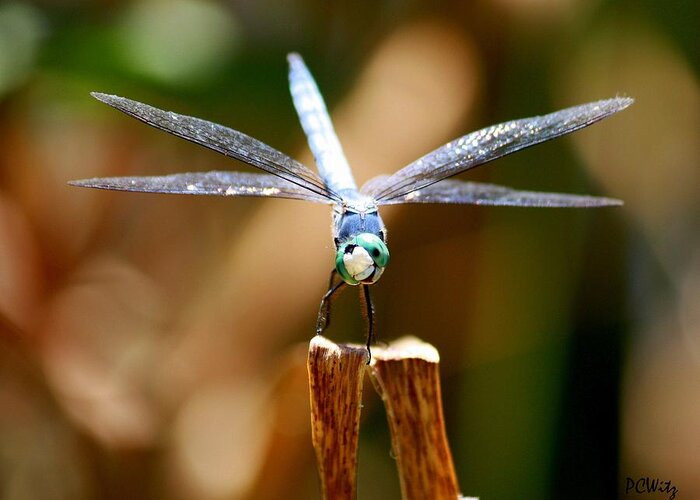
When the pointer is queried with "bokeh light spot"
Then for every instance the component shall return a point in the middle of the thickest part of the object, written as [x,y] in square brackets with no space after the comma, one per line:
[177,42]
[20,33]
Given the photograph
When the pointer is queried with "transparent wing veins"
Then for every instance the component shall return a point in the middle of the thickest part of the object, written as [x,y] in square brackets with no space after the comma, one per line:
[215,183]
[224,140]
[488,144]
[476,193]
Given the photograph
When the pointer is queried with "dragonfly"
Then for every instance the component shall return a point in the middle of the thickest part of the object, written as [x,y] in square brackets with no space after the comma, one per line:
[359,235]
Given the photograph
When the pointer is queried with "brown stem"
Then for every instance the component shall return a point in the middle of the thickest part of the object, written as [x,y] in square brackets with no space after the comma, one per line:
[335,383]
[406,375]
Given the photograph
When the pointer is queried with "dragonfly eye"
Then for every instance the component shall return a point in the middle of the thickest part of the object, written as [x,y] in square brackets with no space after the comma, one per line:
[362,259]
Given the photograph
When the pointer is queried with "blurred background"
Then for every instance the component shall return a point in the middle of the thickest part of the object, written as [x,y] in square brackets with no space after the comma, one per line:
[154,346]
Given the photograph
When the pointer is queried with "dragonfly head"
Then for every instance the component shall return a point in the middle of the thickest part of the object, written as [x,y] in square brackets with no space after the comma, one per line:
[361,259]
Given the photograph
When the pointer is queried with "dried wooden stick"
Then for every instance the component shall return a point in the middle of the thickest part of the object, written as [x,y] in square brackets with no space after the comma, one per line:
[406,375]
[335,383]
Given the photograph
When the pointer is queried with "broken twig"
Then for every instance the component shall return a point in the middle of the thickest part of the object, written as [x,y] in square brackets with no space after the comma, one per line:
[335,383]
[406,375]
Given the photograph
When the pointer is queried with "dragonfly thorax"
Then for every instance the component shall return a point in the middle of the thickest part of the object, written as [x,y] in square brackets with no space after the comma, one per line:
[361,258]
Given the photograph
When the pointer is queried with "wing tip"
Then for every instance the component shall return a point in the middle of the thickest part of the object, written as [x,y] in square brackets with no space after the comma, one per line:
[79,182]
[623,101]
[101,183]
[111,100]
[615,104]
[87,183]
[584,201]
[100,96]
[106,183]
[607,202]
[606,107]
[579,201]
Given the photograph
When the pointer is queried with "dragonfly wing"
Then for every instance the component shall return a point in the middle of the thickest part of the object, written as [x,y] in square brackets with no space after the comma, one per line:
[476,193]
[490,143]
[317,125]
[207,183]
[224,140]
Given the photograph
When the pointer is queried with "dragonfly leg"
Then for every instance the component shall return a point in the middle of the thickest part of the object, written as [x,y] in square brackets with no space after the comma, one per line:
[324,312]
[368,307]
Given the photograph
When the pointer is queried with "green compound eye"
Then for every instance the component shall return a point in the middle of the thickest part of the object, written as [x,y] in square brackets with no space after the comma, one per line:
[362,259]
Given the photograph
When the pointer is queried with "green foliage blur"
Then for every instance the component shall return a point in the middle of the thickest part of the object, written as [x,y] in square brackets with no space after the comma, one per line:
[154,346]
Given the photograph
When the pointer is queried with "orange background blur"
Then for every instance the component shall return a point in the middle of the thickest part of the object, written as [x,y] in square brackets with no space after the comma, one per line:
[153,347]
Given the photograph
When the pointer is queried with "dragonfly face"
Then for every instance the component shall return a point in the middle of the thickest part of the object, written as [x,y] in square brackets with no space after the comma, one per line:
[361,251]
[358,231]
